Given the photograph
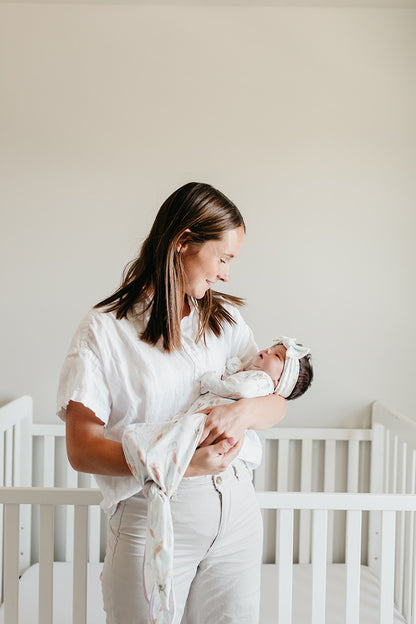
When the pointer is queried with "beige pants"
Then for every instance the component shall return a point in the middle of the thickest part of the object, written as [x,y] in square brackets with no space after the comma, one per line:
[218,541]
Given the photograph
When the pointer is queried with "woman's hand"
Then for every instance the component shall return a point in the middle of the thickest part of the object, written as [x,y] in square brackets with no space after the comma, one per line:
[213,459]
[224,422]
[225,427]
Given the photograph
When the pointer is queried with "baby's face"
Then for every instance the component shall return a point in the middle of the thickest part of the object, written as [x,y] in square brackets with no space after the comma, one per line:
[271,361]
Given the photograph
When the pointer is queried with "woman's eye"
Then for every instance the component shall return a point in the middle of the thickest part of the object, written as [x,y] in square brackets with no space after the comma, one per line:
[223,261]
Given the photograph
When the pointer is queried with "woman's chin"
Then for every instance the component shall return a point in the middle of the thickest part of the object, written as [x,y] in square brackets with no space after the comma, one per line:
[198,295]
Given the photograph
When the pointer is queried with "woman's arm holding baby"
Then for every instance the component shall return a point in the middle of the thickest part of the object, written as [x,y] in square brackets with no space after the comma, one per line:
[89,451]
[233,420]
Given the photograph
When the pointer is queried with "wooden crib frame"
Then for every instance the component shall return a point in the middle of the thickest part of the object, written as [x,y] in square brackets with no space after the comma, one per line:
[378,472]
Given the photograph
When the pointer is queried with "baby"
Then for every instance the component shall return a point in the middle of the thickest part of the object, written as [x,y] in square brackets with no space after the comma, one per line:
[284,369]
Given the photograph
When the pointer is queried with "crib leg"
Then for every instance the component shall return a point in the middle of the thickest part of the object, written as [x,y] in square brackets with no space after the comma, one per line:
[11,563]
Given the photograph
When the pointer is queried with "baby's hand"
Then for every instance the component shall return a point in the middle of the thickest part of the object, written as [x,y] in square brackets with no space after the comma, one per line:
[234,365]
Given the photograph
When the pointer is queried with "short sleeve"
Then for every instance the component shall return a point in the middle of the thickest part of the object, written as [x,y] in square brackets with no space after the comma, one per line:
[82,380]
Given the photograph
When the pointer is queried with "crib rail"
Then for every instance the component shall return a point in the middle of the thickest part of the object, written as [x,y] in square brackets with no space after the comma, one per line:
[394,579]
[47,499]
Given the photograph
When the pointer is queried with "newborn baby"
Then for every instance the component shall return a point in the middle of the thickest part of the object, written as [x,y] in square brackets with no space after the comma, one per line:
[284,368]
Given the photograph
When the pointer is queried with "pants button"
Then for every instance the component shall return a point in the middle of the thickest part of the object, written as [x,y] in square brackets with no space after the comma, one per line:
[218,480]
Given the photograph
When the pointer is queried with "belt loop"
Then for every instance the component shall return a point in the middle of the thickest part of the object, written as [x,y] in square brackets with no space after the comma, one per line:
[235,472]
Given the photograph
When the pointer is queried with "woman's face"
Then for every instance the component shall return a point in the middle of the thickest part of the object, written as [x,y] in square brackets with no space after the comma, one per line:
[209,262]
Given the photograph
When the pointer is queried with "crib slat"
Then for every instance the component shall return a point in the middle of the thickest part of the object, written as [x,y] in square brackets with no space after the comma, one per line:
[320,525]
[46,548]
[413,591]
[94,534]
[408,562]
[1,554]
[305,517]
[283,466]
[8,469]
[48,461]
[387,567]
[94,517]
[11,563]
[259,476]
[306,467]
[409,551]
[353,464]
[80,564]
[282,483]
[17,445]
[329,486]
[329,474]
[394,465]
[352,560]
[71,482]
[387,460]
[2,463]
[285,562]
[399,559]
[1,514]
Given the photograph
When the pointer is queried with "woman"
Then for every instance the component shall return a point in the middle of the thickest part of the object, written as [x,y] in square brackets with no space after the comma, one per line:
[137,357]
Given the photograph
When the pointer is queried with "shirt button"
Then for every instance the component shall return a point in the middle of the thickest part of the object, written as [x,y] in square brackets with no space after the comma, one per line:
[218,480]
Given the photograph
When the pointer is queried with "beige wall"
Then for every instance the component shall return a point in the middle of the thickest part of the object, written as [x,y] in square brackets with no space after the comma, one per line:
[304,117]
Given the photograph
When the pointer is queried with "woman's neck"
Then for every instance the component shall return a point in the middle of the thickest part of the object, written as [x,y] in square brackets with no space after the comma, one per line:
[186,308]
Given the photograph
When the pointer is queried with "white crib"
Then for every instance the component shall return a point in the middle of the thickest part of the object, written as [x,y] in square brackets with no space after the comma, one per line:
[339,518]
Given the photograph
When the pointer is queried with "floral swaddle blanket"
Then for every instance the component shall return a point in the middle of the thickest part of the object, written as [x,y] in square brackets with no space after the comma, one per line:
[158,455]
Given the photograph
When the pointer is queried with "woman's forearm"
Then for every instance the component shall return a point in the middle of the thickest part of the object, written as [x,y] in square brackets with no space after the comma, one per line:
[100,457]
[88,450]
[263,412]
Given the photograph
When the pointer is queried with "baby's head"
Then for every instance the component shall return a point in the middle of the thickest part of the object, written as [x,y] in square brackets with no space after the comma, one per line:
[289,366]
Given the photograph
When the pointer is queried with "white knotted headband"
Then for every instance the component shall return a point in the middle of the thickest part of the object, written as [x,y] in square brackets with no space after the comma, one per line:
[290,374]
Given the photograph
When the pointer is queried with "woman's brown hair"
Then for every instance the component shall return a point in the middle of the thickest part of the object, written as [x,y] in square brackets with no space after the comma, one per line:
[193,214]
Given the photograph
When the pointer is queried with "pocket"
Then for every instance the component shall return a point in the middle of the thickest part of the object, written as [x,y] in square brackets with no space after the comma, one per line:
[114,525]
[115,520]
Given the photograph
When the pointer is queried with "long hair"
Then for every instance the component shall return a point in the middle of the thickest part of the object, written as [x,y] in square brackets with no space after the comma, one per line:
[194,214]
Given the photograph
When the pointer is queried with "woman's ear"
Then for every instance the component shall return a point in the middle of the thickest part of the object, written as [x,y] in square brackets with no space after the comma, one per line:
[183,244]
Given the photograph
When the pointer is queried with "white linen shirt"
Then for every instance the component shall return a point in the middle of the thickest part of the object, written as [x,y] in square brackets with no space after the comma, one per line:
[124,380]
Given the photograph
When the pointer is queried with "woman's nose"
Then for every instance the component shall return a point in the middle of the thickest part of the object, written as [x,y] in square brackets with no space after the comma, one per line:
[268,350]
[224,274]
